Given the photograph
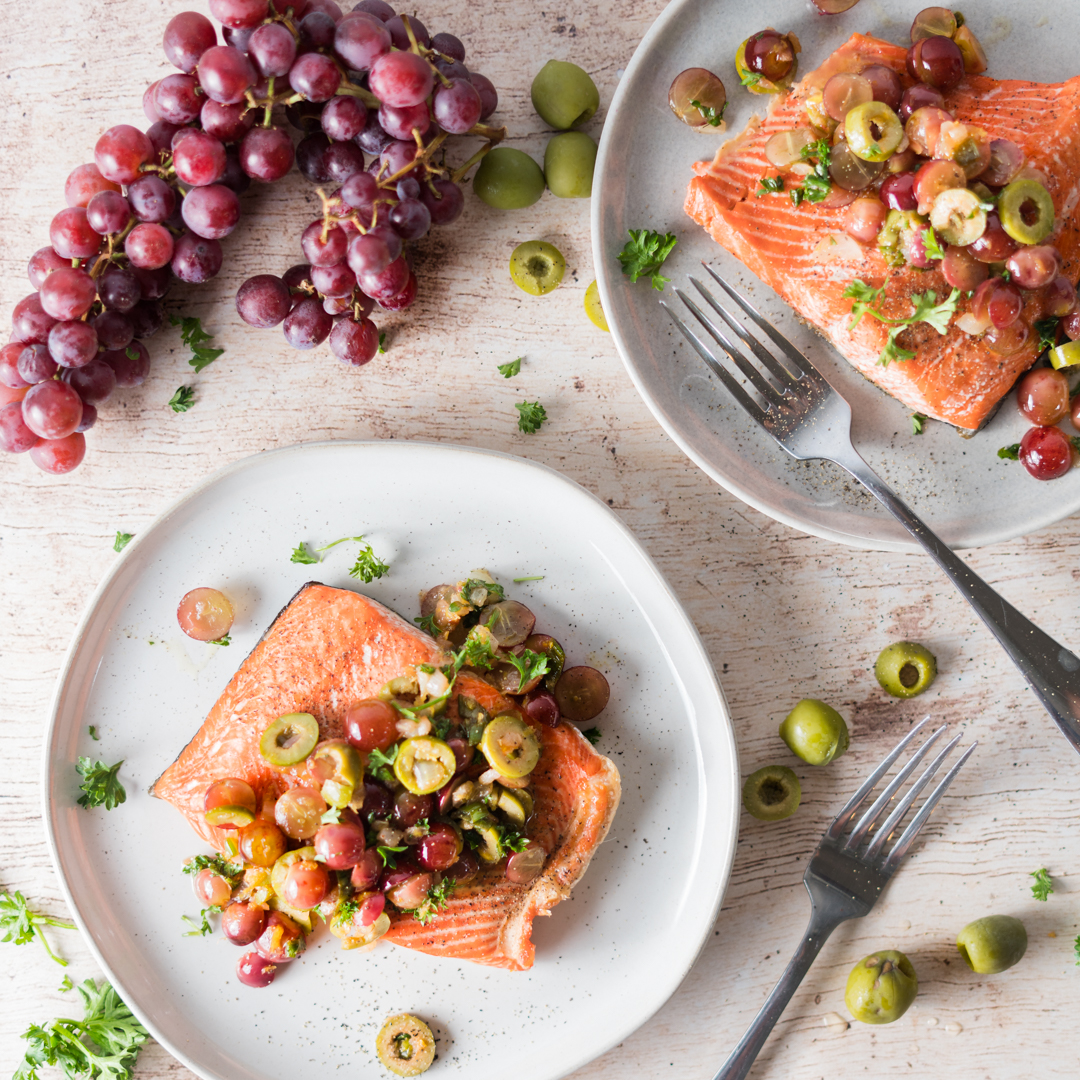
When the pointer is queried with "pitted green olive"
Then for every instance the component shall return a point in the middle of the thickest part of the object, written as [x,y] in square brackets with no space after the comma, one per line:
[289,739]
[405,1045]
[511,746]
[905,669]
[772,793]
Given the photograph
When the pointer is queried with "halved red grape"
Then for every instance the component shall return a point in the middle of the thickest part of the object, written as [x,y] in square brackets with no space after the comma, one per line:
[306,885]
[844,92]
[923,128]
[212,889]
[410,808]
[371,724]
[409,894]
[525,865]
[340,846]
[582,693]
[298,813]
[440,848]
[962,270]
[1033,266]
[1058,296]
[262,843]
[769,53]
[934,178]
[864,218]
[205,614]
[1007,340]
[937,61]
[281,940]
[1046,452]
[995,244]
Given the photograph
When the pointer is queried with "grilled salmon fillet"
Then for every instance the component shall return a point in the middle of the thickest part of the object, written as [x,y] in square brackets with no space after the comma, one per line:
[330,647]
[954,378]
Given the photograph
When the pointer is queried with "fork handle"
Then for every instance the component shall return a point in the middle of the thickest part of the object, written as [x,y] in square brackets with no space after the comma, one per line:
[1051,670]
[744,1055]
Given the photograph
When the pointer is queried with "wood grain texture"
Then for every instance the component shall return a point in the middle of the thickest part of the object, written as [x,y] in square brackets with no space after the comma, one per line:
[783,615]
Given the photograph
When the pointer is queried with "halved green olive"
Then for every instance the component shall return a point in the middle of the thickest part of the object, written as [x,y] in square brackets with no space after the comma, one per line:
[289,739]
[345,923]
[424,764]
[537,267]
[511,746]
[815,732]
[475,817]
[402,686]
[772,793]
[280,870]
[958,216]
[905,669]
[873,131]
[229,817]
[340,769]
[475,718]
[1026,211]
[881,987]
[512,804]
[405,1045]
[992,944]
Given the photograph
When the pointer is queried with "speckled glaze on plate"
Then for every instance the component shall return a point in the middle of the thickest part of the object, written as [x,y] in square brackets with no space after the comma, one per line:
[606,960]
[966,493]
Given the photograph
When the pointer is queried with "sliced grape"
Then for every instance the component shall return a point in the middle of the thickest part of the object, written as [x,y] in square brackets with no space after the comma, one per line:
[582,693]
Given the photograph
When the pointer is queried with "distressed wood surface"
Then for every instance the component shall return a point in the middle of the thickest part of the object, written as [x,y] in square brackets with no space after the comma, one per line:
[783,615]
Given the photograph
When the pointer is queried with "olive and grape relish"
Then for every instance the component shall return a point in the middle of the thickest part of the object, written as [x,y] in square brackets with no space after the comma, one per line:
[425,789]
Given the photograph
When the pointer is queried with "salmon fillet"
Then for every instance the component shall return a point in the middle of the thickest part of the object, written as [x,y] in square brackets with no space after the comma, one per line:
[330,647]
[954,378]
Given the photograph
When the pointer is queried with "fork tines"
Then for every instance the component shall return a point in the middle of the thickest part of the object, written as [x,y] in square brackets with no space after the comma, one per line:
[878,823]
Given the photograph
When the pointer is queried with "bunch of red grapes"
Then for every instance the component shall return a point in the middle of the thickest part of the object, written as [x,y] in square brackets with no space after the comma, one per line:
[154,205]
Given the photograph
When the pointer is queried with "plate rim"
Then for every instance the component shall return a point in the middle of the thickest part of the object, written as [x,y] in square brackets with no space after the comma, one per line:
[730,815]
[605,276]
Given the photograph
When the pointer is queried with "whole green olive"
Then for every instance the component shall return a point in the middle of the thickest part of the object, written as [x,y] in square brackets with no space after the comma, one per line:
[905,669]
[568,165]
[881,987]
[508,179]
[815,732]
[992,943]
[772,793]
[564,95]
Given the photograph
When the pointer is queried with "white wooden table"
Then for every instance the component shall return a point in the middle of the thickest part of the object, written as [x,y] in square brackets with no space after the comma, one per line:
[783,615]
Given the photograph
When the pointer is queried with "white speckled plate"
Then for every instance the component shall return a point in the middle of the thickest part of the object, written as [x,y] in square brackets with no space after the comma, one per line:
[605,961]
[961,487]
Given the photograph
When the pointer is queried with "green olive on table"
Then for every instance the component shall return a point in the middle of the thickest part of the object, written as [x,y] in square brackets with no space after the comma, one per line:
[815,732]
[508,179]
[905,669]
[568,165]
[564,95]
[772,793]
[537,267]
[881,987]
[992,944]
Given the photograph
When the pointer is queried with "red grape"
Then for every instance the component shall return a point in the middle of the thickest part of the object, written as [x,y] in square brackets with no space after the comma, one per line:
[937,61]
[465,869]
[131,364]
[93,382]
[15,436]
[525,865]
[150,245]
[67,293]
[316,31]
[1058,296]
[582,693]
[282,940]
[371,724]
[36,364]
[239,14]
[252,970]
[373,140]
[118,289]
[1043,396]
[43,262]
[316,76]
[306,885]
[226,74]
[324,252]
[1011,339]
[74,343]
[263,301]
[995,245]
[242,923]
[333,282]
[211,888]
[59,455]
[367,871]
[149,104]
[444,200]
[379,8]
[489,96]
[397,156]
[410,808]
[385,283]
[457,106]
[72,236]
[1046,452]
[113,330]
[311,157]
[962,270]
[176,100]
[147,317]
[9,366]
[440,848]
[30,323]
[210,212]
[340,846]
[541,706]
[401,123]
[89,418]
[11,394]
[199,159]
[401,79]
[121,152]
[161,137]
[151,199]
[52,410]
[361,40]
[195,259]
[108,212]
[344,117]
[378,802]
[272,50]
[307,325]
[266,153]
[411,891]
[354,342]
[399,36]
[84,182]
[450,46]
[229,123]
[403,299]
[298,813]
[207,614]
[187,36]
[343,160]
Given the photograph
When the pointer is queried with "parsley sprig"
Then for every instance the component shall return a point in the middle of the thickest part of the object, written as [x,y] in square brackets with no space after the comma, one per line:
[1048,331]
[437,897]
[183,399]
[300,554]
[387,854]
[381,765]
[644,254]
[511,368]
[867,301]
[770,185]
[531,416]
[592,734]
[1010,453]
[21,924]
[709,114]
[930,242]
[122,540]
[368,565]
[103,1045]
[529,666]
[100,786]
[193,335]
[1043,886]
[230,871]
[817,185]
[201,930]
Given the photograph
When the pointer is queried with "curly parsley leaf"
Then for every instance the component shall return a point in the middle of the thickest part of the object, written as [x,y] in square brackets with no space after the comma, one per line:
[1048,331]
[94,733]
[100,786]
[21,925]
[382,341]
[331,817]
[708,113]
[225,639]
[918,423]
[66,984]
[381,765]
[368,565]
[1010,453]
[1043,886]
[193,335]
[101,1046]
[221,866]
[437,897]
[867,301]
[592,734]
[817,185]
[644,254]
[531,416]
[930,242]
[201,930]
[770,185]
[122,540]
[300,554]
[387,855]
[509,370]
[183,399]
[529,666]
[427,623]
[749,78]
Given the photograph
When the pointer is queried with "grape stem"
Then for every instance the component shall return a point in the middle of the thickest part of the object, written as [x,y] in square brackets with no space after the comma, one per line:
[268,110]
[352,90]
[110,254]
[492,134]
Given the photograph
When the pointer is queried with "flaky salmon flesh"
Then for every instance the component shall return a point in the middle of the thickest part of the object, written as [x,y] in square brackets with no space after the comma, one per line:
[331,647]
[955,378]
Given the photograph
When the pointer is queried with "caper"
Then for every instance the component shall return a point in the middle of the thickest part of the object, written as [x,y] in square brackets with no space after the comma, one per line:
[594,309]
[405,1045]
[568,165]
[537,267]
[905,669]
[992,943]
[881,987]
[771,793]
[289,739]
[564,95]
[1026,211]
[508,179]
[815,732]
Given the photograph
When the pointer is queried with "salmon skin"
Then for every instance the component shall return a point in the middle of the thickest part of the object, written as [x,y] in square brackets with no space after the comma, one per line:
[954,378]
[329,647]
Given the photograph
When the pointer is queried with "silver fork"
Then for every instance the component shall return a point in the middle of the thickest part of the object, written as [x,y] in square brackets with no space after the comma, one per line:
[846,874]
[810,419]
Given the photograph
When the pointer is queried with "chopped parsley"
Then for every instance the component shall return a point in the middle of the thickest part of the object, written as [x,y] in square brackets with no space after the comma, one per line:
[918,423]
[644,254]
[1048,331]
[183,399]
[867,301]
[1043,886]
[437,897]
[93,733]
[100,786]
[193,335]
[331,817]
[529,666]
[1010,453]
[22,925]
[427,623]
[224,640]
[122,540]
[708,113]
[300,554]
[493,588]
[220,865]
[103,1045]
[201,930]
[930,242]
[1076,949]
[66,985]
[382,341]
[535,577]
[531,416]
[387,855]
[817,185]
[509,370]
[381,765]
[770,185]
[368,565]
[748,77]
[592,734]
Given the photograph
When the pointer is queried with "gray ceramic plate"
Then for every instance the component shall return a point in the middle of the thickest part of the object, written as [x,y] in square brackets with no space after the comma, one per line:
[606,960]
[961,487]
